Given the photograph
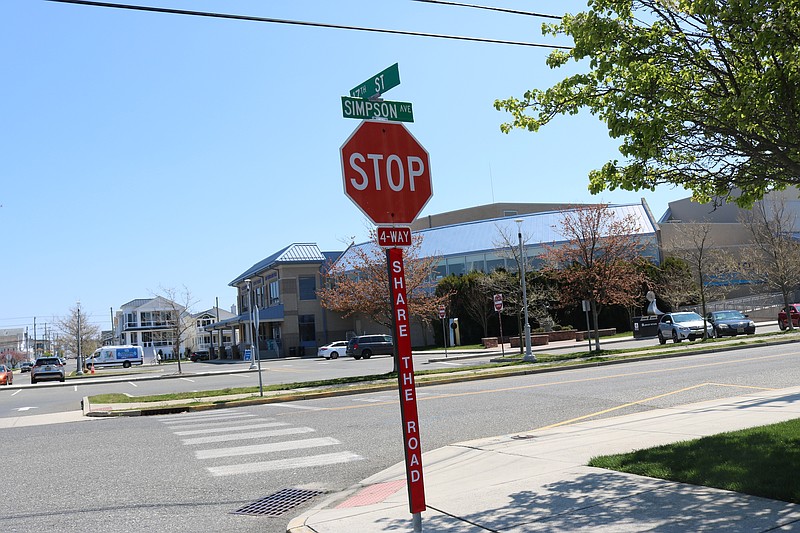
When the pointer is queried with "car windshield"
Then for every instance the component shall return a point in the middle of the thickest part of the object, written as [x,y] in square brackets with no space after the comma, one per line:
[42,362]
[686,317]
[728,315]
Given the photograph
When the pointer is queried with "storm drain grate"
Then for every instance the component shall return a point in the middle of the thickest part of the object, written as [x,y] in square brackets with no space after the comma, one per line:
[276,504]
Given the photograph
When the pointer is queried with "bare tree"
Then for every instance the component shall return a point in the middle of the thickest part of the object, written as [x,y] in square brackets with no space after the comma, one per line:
[773,256]
[180,303]
[676,284]
[79,335]
[598,261]
[710,265]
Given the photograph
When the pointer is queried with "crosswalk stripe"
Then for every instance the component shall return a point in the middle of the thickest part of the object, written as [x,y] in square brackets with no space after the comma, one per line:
[215,423]
[242,436]
[231,428]
[283,464]
[301,444]
[209,418]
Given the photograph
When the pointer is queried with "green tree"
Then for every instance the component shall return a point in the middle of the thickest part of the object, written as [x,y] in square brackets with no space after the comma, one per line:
[703,94]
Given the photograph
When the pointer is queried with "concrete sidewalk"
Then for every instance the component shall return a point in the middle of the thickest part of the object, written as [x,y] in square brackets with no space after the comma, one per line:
[538,482]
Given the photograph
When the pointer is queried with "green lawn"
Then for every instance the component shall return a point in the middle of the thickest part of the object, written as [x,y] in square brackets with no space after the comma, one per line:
[762,461]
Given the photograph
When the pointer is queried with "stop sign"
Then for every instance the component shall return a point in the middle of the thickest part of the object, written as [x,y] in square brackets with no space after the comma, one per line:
[386,172]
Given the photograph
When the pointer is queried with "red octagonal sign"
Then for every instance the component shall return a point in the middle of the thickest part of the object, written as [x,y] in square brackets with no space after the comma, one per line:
[386,172]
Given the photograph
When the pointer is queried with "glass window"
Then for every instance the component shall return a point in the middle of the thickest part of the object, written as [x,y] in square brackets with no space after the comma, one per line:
[455,265]
[476,262]
[307,328]
[274,292]
[308,287]
[493,262]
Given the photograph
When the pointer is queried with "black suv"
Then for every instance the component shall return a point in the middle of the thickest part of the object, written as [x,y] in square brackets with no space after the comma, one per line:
[368,345]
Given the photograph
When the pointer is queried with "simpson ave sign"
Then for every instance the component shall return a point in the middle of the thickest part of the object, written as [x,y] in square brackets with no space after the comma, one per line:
[367,109]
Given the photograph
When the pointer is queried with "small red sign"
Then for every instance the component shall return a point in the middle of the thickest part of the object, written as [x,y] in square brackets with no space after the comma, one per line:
[405,381]
[394,237]
[442,311]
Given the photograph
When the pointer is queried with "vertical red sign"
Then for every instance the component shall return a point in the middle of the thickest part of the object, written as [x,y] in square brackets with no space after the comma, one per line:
[405,380]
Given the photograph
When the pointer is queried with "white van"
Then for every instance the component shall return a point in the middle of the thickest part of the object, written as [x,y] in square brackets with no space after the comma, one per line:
[116,355]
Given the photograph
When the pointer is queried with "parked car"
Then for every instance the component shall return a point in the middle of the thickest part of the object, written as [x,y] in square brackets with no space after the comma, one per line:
[201,355]
[794,312]
[368,345]
[47,368]
[730,322]
[25,367]
[6,375]
[332,350]
[683,325]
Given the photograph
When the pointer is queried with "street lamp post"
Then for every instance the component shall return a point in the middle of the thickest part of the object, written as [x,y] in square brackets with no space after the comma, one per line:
[254,324]
[528,355]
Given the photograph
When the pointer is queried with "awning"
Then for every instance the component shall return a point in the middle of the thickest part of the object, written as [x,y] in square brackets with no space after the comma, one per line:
[274,313]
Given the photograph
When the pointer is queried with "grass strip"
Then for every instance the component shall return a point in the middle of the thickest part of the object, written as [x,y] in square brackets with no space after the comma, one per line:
[761,461]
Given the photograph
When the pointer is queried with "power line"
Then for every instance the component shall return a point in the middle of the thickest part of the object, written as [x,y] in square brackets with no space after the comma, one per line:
[304,23]
[490,8]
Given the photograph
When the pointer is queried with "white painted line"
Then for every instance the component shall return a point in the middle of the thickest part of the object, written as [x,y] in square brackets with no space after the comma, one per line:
[75,388]
[16,392]
[291,406]
[212,423]
[242,436]
[284,464]
[449,364]
[168,418]
[132,383]
[193,419]
[230,428]
[187,379]
[302,444]
[20,409]
[128,394]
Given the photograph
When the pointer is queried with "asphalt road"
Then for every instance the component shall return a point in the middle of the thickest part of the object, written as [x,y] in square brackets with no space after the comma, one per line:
[188,472]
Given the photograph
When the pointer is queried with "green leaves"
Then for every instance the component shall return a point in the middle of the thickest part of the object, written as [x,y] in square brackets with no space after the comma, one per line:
[703,94]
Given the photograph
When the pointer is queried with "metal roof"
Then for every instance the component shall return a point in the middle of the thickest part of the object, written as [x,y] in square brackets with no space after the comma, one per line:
[485,235]
[294,253]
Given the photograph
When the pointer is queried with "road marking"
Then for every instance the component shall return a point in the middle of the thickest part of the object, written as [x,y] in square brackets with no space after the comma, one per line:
[132,383]
[16,392]
[75,388]
[20,409]
[253,435]
[204,418]
[284,464]
[187,379]
[302,407]
[209,423]
[230,428]
[302,444]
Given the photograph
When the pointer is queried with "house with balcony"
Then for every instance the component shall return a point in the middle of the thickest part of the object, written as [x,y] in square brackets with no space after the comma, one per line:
[201,339]
[149,323]
[281,292]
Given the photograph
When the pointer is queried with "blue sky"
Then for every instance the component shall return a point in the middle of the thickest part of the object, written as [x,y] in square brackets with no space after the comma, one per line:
[142,151]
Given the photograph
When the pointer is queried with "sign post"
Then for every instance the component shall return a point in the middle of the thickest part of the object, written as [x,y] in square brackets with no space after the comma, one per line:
[386,173]
[442,315]
[498,306]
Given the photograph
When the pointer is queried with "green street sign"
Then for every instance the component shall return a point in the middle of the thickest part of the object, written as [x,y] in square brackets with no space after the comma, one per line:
[367,109]
[378,84]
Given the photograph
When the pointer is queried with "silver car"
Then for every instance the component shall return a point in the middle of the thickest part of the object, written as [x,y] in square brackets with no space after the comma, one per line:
[680,326]
[47,368]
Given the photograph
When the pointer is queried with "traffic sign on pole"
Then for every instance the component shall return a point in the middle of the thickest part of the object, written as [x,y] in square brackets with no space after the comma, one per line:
[394,237]
[498,302]
[368,109]
[378,84]
[386,172]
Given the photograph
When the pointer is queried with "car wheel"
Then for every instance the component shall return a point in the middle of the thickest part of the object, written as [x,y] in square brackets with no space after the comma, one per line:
[126,364]
[367,354]
[334,355]
[675,337]
[33,382]
[62,379]
[661,339]
[356,357]
[781,325]
[718,334]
